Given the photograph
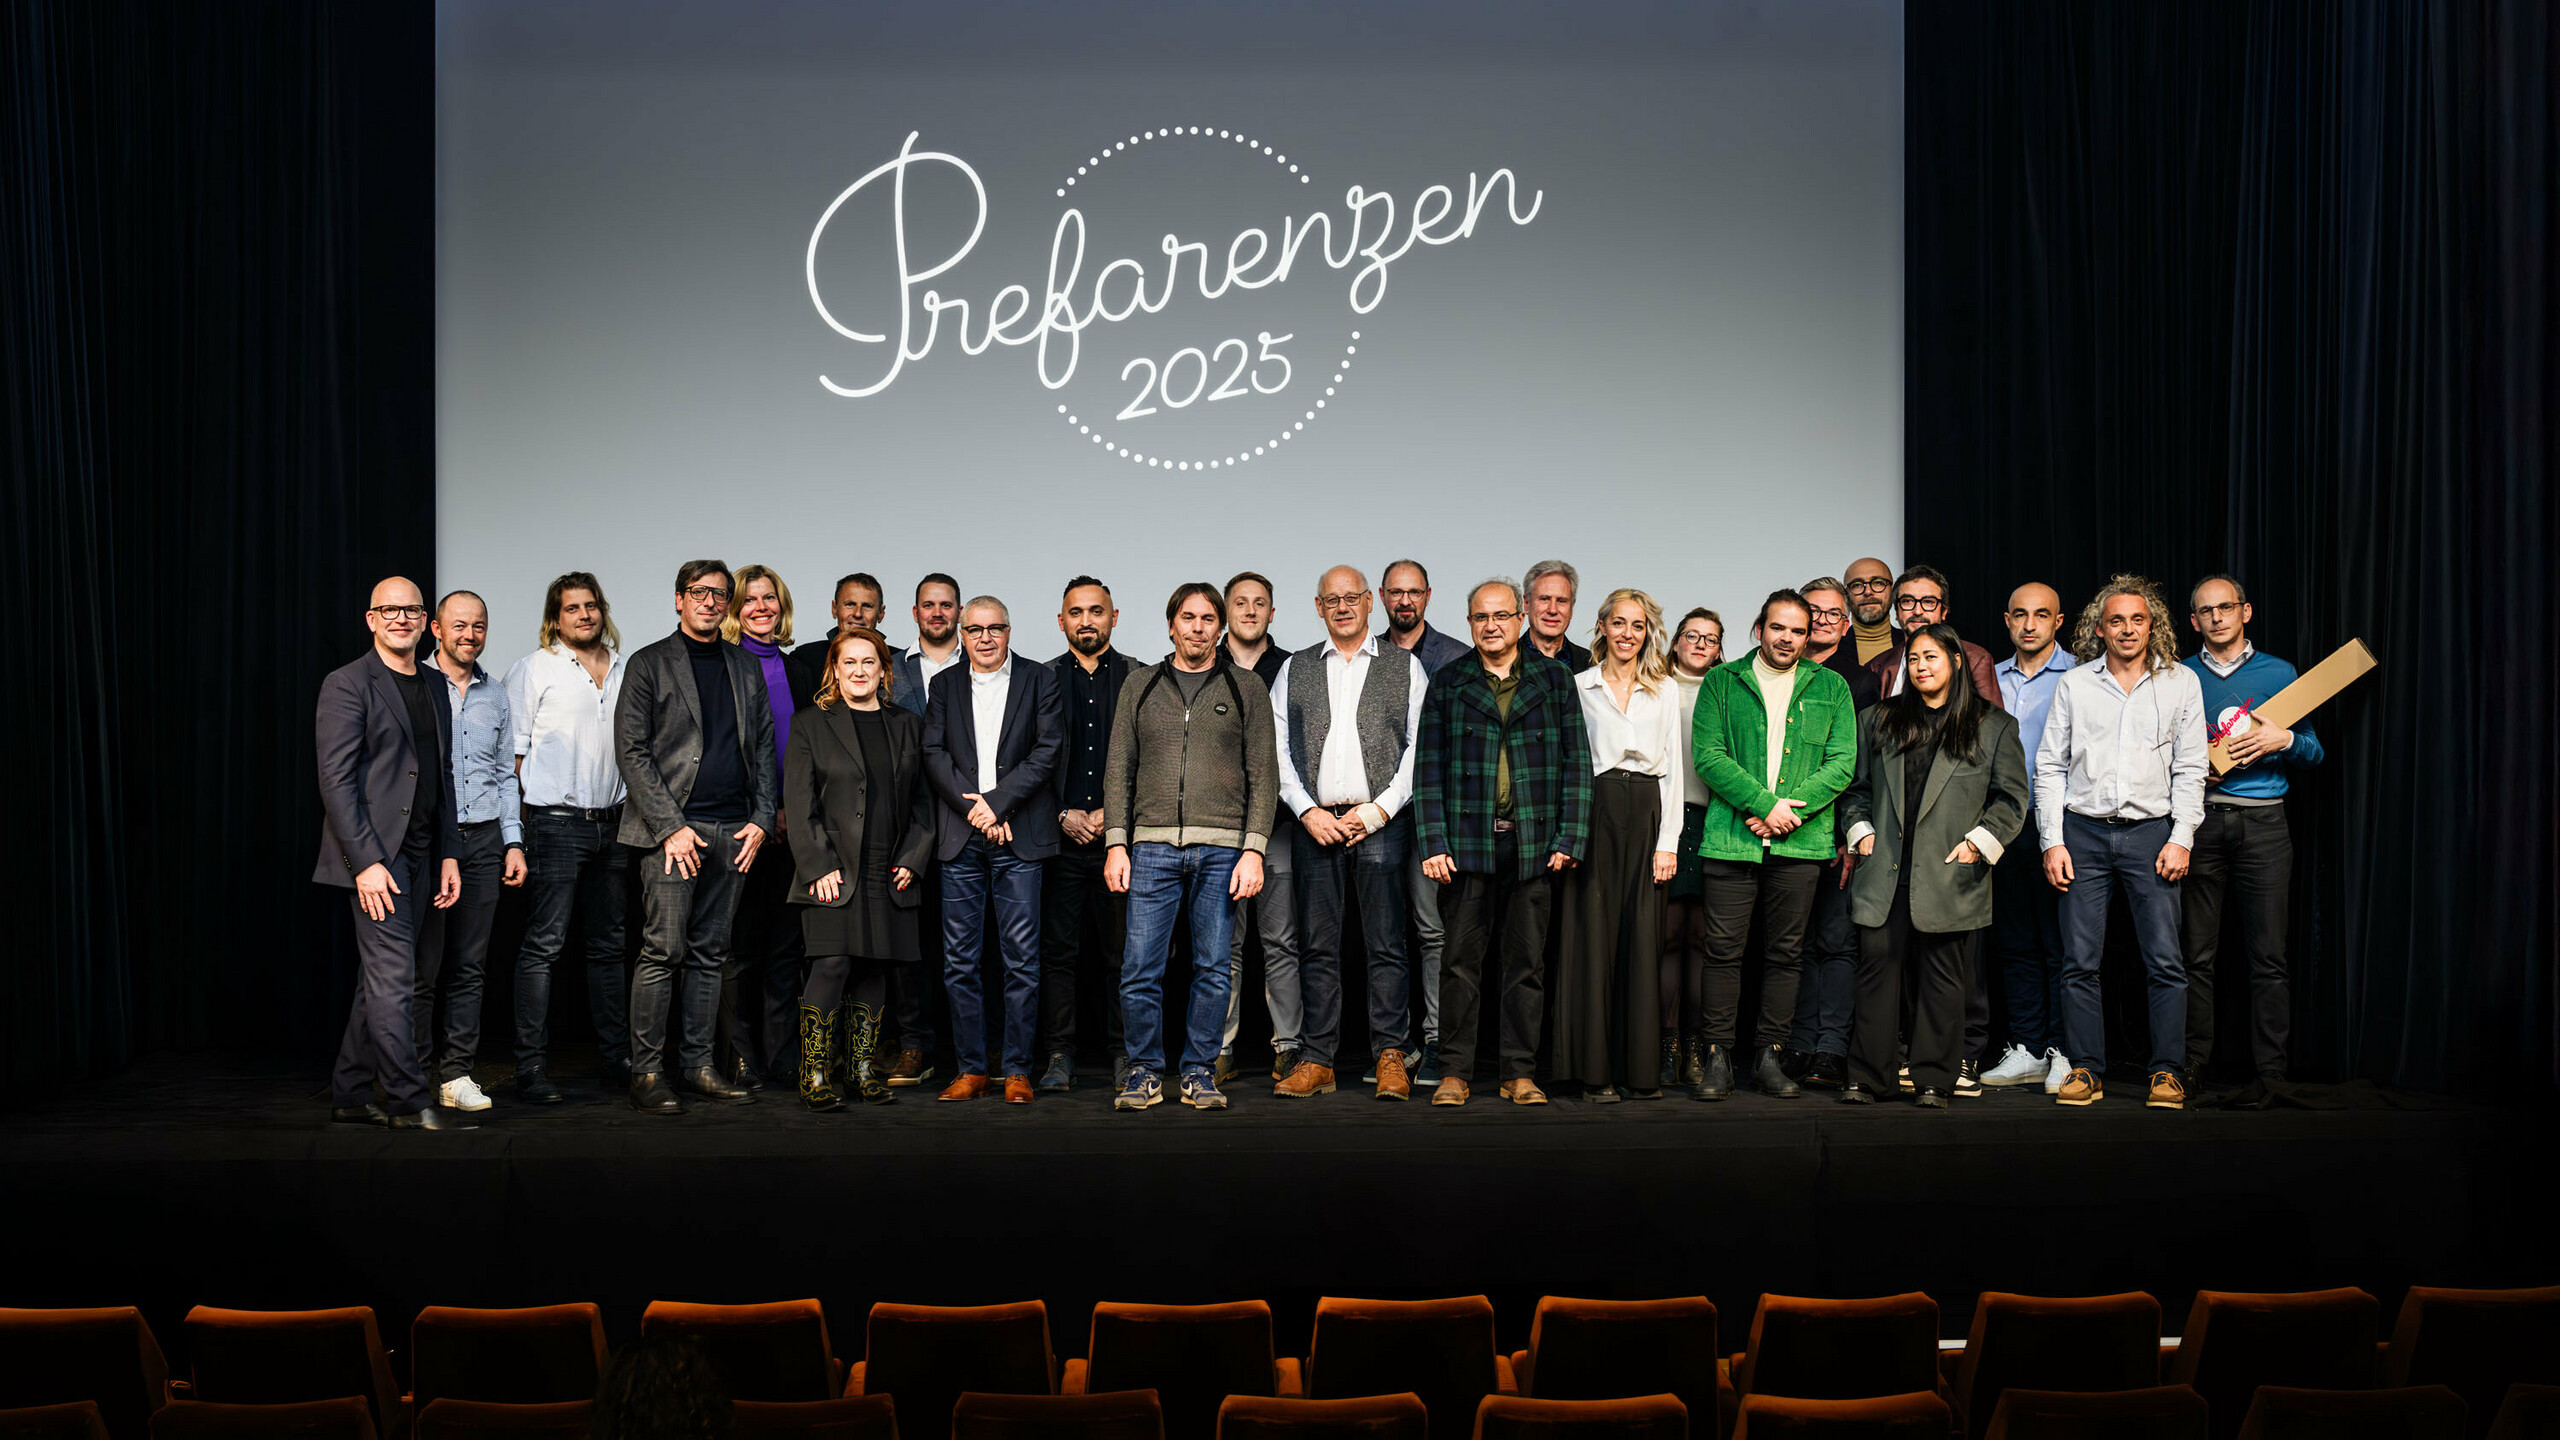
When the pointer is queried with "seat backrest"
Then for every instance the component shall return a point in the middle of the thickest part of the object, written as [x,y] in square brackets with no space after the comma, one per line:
[1640,1417]
[1919,1415]
[2236,1342]
[2158,1412]
[1842,1349]
[2416,1412]
[281,1357]
[451,1419]
[1615,1349]
[2478,1342]
[852,1417]
[773,1351]
[1366,1417]
[344,1418]
[927,1356]
[1441,1350]
[106,1355]
[71,1420]
[1192,1356]
[1117,1415]
[2530,1412]
[2095,1342]
[536,1356]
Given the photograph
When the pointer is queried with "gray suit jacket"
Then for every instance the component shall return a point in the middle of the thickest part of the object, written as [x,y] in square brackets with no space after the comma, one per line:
[908,693]
[1982,800]
[657,734]
[369,770]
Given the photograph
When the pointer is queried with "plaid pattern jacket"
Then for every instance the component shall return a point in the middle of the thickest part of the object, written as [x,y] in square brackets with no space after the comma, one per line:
[1463,734]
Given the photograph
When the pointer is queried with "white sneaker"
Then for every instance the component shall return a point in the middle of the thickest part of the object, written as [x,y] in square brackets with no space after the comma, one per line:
[463,1094]
[2018,1067]
[2059,1071]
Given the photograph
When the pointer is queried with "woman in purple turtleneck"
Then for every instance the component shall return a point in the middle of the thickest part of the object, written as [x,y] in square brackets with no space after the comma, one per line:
[761,984]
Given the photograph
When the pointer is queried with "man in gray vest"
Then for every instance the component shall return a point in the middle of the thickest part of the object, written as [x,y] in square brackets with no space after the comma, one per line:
[1347,711]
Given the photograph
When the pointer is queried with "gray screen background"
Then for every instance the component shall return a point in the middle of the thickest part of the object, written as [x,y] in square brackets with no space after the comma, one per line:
[1684,374]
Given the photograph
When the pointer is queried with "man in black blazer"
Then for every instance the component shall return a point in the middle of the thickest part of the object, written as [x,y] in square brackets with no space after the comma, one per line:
[389,821]
[693,738]
[992,733]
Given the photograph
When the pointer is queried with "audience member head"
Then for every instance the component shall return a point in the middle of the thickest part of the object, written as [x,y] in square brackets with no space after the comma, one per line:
[660,1388]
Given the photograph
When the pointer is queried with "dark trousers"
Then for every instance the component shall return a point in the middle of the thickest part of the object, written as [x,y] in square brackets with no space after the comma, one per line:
[1479,910]
[979,876]
[1782,893]
[458,966]
[1079,917]
[574,865]
[1372,873]
[2027,924]
[1933,972]
[760,986]
[684,941]
[2246,850]
[380,1046]
[1830,960]
[912,988]
[2105,859]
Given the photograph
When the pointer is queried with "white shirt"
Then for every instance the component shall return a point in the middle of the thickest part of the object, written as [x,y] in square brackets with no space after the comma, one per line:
[561,725]
[1342,771]
[927,667]
[2116,755]
[1644,737]
[1693,786]
[987,692]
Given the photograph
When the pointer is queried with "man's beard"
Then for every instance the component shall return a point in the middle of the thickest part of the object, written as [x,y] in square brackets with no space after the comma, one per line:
[1088,642]
[1401,625]
[1873,616]
[932,636]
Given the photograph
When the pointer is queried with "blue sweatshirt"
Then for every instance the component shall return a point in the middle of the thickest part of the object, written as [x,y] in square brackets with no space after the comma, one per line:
[2258,680]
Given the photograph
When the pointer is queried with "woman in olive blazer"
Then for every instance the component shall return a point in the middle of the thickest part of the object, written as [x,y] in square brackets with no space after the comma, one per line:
[1940,791]
[862,834]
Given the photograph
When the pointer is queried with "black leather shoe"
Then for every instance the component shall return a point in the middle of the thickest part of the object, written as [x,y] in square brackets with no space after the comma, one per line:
[650,1095]
[1930,1098]
[1855,1094]
[704,1081]
[1825,1071]
[535,1088]
[1716,1082]
[1771,1077]
[1060,1075]
[743,1075]
[1794,1061]
[1601,1094]
[617,1075]
[359,1115]
[434,1117]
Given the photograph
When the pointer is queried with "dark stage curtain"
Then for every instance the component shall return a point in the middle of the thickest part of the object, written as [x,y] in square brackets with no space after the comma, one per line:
[2268,288]
[216,318]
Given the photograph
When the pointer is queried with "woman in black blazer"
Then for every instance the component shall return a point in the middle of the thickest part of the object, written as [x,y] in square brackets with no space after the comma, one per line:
[862,832]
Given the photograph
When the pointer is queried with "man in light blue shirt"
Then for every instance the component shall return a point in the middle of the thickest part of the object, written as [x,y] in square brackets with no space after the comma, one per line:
[2026,911]
[489,802]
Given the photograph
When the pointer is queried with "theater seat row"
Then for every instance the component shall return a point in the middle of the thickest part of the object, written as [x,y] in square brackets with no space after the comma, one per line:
[1875,1363]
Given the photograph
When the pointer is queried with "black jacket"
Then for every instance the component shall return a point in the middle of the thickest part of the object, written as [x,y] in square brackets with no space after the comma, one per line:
[1027,750]
[834,799]
[657,736]
[369,770]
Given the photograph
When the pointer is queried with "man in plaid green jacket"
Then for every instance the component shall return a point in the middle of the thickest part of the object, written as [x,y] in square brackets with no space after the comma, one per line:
[1502,804]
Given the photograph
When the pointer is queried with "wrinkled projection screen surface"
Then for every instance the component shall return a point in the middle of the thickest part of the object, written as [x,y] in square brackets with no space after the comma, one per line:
[1163,293]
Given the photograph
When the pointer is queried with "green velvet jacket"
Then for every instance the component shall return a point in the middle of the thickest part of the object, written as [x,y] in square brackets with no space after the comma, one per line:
[1729,740]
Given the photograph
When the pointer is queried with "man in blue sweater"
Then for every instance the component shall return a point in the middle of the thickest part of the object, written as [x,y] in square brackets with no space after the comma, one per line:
[2243,846]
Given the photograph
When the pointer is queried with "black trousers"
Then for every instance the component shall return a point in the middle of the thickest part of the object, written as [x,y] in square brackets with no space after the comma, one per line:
[760,986]
[1934,972]
[577,866]
[684,943]
[1480,911]
[914,989]
[459,966]
[1079,919]
[380,1045]
[2245,853]
[1781,893]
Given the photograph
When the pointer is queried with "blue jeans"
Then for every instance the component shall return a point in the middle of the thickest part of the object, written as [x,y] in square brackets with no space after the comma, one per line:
[1373,871]
[1830,968]
[2104,859]
[981,872]
[1164,881]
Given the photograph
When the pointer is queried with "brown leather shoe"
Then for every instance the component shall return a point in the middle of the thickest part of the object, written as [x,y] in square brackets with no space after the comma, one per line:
[911,1069]
[967,1087]
[1305,1082]
[2167,1092]
[1394,1082]
[1451,1091]
[1017,1089]
[1523,1091]
[2081,1088]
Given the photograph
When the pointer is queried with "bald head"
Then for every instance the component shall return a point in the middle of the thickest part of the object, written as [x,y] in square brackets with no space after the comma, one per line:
[2034,618]
[1870,590]
[1343,603]
[397,616]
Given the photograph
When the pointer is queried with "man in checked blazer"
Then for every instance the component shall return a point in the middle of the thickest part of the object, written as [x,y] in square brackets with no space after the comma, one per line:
[1502,796]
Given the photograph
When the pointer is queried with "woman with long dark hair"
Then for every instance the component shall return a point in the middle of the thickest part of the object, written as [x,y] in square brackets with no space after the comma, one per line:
[1940,792]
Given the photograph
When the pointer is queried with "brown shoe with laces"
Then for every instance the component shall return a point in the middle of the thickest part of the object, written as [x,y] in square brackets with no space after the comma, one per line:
[1394,1081]
[967,1087]
[2167,1092]
[1452,1091]
[1523,1091]
[1306,1082]
[1017,1089]
[2081,1087]
[911,1069]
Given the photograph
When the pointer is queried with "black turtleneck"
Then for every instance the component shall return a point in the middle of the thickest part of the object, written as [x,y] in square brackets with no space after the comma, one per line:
[720,791]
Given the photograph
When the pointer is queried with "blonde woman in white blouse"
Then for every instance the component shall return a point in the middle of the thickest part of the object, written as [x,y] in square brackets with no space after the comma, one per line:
[1605,995]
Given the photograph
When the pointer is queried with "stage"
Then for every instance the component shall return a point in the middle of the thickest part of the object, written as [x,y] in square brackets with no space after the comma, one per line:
[184,1182]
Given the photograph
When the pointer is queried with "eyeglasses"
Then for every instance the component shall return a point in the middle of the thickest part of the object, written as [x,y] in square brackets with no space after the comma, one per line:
[1503,617]
[700,593]
[1819,616]
[399,612]
[1697,637]
[1877,583]
[1395,595]
[1922,604]
[974,631]
[1340,602]
[2216,612]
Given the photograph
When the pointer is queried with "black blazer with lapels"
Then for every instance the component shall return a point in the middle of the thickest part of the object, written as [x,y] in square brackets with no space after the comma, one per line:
[834,799]
[369,770]
[1027,751]
[657,736]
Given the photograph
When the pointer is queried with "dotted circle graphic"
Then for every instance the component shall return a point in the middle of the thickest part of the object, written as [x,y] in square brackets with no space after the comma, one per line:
[1171,132]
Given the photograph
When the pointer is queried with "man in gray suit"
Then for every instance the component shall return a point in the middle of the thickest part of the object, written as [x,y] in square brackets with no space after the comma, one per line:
[693,737]
[385,745]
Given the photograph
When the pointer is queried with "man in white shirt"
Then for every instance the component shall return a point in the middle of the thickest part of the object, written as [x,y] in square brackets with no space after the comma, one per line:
[2119,786]
[1346,711]
[938,648]
[560,702]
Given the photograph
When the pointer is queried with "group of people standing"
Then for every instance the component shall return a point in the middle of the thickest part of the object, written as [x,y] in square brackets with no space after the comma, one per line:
[830,835]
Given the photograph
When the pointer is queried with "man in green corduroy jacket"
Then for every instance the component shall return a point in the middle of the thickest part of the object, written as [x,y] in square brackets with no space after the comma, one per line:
[1776,741]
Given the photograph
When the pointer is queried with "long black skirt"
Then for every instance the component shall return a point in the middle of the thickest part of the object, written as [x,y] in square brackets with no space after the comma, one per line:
[1606,994]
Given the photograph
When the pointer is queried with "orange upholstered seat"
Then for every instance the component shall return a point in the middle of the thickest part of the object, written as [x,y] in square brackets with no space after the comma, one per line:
[536,1356]
[852,1417]
[1840,1349]
[71,1420]
[2415,1412]
[451,1419]
[1114,1415]
[926,1357]
[345,1418]
[2158,1412]
[1441,1350]
[1642,1417]
[107,1355]
[1919,1415]
[1614,1349]
[1192,1356]
[1367,1417]
[774,1351]
[2479,1342]
[2530,1412]
[2235,1342]
[282,1357]
[2096,1342]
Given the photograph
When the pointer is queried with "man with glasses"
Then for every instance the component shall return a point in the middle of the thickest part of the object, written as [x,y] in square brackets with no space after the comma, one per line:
[694,735]
[490,808]
[1920,598]
[1870,591]
[992,736]
[1406,587]
[1818,1046]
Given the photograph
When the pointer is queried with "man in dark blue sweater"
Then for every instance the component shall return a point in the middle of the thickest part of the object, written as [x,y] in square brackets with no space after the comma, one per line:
[2244,846]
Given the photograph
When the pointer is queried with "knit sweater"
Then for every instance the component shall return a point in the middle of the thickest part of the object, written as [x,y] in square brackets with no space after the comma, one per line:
[2259,679]
[1205,772]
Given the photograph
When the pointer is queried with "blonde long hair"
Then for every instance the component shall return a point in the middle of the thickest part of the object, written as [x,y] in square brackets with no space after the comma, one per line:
[729,626]
[1653,662]
[2089,644]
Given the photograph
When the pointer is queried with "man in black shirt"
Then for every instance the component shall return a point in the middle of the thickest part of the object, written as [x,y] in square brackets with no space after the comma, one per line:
[1072,895]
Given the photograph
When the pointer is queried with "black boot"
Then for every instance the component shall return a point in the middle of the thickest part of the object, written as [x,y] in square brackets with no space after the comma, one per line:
[1693,1060]
[535,1088]
[1715,1079]
[1771,1076]
[1670,1058]
[862,1035]
[706,1082]
[817,1060]
[743,1075]
[650,1095]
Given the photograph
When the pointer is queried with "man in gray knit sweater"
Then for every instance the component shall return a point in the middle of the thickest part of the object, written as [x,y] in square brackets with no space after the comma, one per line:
[1188,799]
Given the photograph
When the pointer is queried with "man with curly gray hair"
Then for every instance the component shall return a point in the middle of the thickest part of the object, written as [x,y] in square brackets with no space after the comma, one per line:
[2119,792]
